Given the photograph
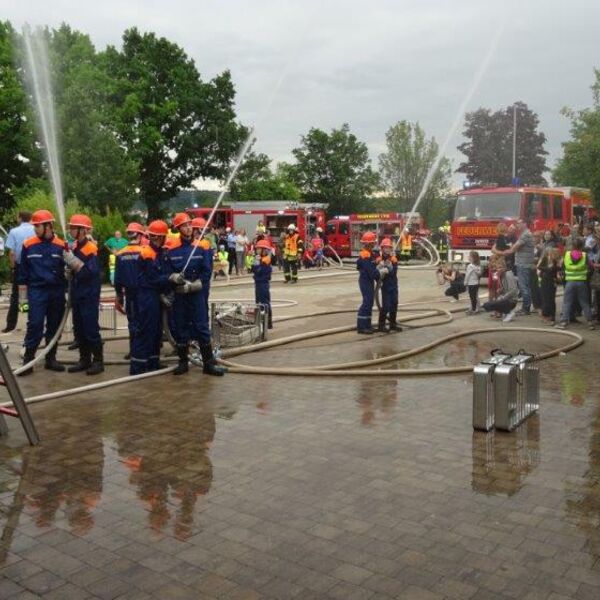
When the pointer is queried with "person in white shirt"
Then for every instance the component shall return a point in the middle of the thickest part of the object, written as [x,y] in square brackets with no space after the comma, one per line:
[472,275]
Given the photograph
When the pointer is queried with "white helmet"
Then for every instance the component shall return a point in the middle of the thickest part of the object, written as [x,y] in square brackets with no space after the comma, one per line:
[291,227]
[319,230]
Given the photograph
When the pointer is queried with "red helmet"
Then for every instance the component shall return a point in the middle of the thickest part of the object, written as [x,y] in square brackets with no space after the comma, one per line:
[80,221]
[135,228]
[39,217]
[386,242]
[263,244]
[198,223]
[158,228]
[368,237]
[181,219]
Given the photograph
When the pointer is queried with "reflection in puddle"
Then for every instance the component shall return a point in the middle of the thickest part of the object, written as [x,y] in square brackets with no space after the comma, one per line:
[502,461]
[376,402]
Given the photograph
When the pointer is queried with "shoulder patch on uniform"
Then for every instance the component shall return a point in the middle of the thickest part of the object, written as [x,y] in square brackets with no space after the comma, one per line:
[394,259]
[364,254]
[148,252]
[59,242]
[31,241]
[204,244]
[266,260]
[90,249]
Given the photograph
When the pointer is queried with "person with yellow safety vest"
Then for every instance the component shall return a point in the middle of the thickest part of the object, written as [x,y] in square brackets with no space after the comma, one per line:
[406,244]
[293,248]
[576,267]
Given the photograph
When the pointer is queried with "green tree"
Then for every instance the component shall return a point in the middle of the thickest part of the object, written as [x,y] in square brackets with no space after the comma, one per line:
[404,168]
[335,168]
[256,181]
[175,126]
[580,163]
[490,141]
[96,168]
[19,157]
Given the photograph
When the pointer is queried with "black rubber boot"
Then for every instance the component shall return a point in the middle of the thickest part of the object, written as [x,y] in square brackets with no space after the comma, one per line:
[85,360]
[73,346]
[382,328]
[183,366]
[393,325]
[209,361]
[28,357]
[51,363]
[97,365]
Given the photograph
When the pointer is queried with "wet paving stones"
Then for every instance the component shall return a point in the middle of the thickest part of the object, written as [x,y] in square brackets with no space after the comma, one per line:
[260,487]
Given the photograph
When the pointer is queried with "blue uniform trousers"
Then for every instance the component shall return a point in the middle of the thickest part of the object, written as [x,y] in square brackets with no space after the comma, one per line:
[262,295]
[389,301]
[46,304]
[365,310]
[189,319]
[85,319]
[147,335]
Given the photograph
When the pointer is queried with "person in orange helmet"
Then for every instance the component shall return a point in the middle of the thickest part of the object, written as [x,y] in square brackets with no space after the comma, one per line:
[387,265]
[153,280]
[42,287]
[261,270]
[85,296]
[368,275]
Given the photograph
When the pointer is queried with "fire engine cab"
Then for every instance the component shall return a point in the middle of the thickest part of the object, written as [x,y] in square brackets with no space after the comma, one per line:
[274,215]
[479,211]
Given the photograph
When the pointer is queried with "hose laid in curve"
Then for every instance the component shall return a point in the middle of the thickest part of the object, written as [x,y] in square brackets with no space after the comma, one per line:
[315,371]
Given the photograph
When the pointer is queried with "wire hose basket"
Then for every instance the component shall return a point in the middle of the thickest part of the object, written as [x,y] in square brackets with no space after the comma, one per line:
[237,324]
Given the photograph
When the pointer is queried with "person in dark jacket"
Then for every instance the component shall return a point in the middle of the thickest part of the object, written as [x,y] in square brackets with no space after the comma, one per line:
[84,266]
[387,265]
[368,275]
[261,271]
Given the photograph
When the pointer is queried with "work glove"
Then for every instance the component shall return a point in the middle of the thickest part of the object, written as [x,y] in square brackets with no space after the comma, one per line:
[167,299]
[177,278]
[72,261]
[189,287]
[23,300]
[383,270]
[256,261]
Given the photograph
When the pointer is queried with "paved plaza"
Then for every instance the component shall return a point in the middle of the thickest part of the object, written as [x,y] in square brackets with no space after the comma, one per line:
[248,487]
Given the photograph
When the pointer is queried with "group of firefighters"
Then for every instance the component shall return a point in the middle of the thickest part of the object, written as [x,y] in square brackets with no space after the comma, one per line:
[160,285]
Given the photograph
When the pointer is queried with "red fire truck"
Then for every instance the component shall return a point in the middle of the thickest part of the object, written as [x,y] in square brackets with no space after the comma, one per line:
[344,232]
[479,210]
[275,216]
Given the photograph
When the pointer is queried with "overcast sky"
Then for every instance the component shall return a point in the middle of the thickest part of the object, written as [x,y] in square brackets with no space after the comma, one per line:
[369,64]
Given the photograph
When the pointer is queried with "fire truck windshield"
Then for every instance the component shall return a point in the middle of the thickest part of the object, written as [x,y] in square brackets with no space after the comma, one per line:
[478,207]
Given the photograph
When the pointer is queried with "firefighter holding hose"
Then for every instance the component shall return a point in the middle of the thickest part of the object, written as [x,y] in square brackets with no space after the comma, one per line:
[387,266]
[84,266]
[42,285]
[189,266]
[293,248]
[368,275]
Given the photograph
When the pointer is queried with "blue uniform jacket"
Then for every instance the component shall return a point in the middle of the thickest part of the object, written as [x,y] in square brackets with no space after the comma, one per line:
[179,254]
[367,269]
[390,281]
[86,282]
[42,262]
[154,269]
[262,271]
[127,268]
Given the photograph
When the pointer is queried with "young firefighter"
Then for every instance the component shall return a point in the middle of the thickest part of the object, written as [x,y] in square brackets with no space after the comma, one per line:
[388,270]
[126,278]
[262,270]
[198,225]
[190,318]
[153,280]
[42,287]
[85,296]
[368,275]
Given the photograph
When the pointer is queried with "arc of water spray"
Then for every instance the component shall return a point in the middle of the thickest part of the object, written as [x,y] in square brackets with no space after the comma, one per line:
[250,139]
[475,82]
[36,51]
